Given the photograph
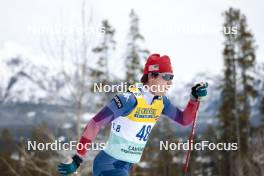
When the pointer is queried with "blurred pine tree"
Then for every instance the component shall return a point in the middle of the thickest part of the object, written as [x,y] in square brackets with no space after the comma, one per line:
[135,55]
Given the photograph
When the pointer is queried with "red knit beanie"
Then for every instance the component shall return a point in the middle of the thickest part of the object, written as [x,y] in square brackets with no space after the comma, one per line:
[157,63]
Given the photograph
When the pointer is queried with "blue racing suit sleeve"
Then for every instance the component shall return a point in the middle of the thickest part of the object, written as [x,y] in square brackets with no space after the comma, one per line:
[170,110]
[122,104]
[183,117]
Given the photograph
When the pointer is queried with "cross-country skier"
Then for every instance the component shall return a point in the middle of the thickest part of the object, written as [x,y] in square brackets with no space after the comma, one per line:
[133,115]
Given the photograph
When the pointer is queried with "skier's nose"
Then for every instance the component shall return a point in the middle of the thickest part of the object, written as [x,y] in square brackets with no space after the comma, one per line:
[169,82]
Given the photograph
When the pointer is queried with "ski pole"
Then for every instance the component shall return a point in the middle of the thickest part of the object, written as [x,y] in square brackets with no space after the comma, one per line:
[187,158]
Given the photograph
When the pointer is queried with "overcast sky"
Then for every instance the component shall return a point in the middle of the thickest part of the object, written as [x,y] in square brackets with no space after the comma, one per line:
[189,31]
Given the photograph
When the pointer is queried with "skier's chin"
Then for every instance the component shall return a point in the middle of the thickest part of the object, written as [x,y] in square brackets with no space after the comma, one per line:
[161,93]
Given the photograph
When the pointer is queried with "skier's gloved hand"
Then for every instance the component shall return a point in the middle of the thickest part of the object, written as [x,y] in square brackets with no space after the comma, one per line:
[199,91]
[66,169]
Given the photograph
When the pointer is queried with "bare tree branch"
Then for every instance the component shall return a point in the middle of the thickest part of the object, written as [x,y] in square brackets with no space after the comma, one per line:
[10,167]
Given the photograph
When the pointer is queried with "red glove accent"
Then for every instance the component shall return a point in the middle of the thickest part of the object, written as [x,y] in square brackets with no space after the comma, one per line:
[84,144]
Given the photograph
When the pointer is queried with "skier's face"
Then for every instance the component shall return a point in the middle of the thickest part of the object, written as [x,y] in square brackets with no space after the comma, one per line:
[160,84]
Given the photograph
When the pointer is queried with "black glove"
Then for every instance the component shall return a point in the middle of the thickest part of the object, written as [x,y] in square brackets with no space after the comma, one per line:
[66,169]
[199,91]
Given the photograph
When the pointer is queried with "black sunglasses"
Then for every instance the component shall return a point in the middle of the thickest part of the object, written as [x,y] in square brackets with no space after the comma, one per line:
[165,76]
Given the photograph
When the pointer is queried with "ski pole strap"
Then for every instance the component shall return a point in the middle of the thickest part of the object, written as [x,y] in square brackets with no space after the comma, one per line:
[77,160]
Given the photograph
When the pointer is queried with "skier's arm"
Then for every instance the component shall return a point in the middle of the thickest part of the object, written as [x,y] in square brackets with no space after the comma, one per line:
[102,118]
[184,117]
[118,106]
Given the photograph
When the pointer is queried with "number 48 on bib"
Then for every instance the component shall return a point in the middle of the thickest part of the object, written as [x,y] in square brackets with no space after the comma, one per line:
[144,132]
